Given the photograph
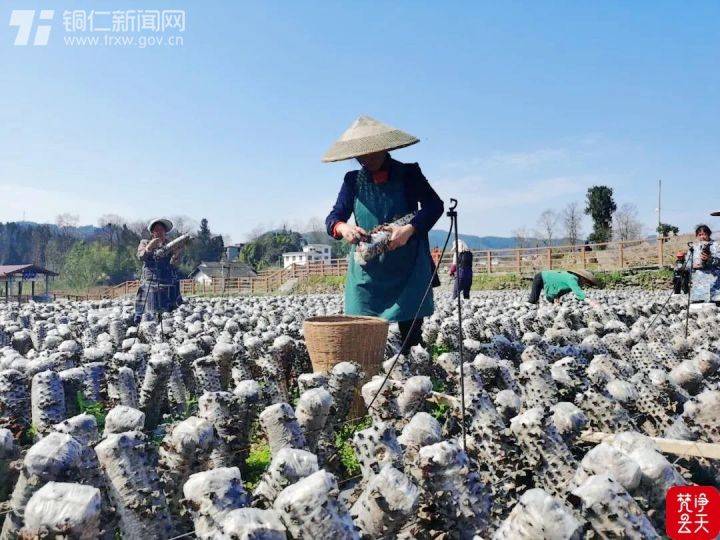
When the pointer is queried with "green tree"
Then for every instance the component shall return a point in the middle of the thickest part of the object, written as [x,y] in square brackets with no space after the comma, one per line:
[204,234]
[87,265]
[665,229]
[600,206]
[268,248]
[338,248]
[204,247]
[91,264]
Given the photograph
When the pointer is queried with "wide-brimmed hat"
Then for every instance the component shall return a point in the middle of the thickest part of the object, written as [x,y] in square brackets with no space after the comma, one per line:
[585,274]
[365,136]
[165,221]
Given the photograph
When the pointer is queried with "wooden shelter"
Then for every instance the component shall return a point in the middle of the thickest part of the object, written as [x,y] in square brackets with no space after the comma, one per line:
[21,273]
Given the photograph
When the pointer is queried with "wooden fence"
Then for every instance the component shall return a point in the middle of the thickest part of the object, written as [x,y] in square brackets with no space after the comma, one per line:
[607,257]
[611,256]
[267,281]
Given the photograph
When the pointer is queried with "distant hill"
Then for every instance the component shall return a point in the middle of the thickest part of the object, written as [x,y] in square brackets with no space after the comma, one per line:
[437,238]
[82,231]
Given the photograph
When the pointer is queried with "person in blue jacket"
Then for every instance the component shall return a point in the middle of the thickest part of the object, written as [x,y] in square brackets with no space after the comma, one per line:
[462,270]
[392,285]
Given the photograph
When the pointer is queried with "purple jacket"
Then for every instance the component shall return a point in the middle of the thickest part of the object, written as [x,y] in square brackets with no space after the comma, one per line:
[418,192]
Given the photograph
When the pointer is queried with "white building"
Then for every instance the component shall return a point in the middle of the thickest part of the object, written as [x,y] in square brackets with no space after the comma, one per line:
[207,271]
[310,253]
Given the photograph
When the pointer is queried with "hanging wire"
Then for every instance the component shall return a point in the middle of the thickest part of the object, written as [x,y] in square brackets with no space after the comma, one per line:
[412,325]
[184,535]
[652,323]
[452,214]
[691,249]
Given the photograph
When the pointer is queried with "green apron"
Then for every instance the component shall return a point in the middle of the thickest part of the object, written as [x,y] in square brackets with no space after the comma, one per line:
[391,285]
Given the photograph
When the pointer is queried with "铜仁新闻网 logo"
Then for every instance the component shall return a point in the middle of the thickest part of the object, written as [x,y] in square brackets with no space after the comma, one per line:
[24,19]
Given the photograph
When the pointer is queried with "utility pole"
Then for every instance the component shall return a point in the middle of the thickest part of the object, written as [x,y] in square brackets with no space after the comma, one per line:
[659,207]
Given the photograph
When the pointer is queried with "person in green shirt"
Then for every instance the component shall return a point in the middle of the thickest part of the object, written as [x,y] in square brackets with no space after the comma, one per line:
[557,283]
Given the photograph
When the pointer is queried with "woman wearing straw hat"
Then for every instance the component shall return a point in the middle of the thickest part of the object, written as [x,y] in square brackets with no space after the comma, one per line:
[557,283]
[159,289]
[391,286]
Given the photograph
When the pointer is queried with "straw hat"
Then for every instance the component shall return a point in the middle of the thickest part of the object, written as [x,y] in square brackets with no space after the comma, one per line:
[365,136]
[165,221]
[585,274]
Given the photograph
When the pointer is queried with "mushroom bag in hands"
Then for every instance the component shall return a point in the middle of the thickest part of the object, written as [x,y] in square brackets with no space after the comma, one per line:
[379,240]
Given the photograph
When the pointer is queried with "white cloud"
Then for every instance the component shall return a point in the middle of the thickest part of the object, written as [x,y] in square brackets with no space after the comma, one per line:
[536,193]
[481,195]
[501,191]
[516,161]
[527,160]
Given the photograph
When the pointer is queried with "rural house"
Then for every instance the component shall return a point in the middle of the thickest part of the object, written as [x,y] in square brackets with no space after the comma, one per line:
[207,271]
[310,253]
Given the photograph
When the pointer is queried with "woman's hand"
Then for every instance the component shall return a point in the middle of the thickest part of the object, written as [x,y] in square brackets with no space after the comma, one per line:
[152,245]
[351,233]
[399,236]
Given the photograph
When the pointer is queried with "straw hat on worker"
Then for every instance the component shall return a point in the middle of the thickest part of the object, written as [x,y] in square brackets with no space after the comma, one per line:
[165,222]
[391,286]
[587,275]
[366,136]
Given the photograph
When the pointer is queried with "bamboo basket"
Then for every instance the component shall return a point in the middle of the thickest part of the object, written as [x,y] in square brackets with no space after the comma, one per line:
[342,338]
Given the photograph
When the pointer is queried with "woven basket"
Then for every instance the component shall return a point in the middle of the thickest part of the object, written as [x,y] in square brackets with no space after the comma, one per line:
[342,338]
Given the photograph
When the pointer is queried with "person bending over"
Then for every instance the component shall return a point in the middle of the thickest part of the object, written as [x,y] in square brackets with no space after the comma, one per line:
[557,283]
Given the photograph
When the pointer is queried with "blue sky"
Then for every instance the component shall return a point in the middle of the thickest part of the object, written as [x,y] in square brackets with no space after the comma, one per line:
[520,106]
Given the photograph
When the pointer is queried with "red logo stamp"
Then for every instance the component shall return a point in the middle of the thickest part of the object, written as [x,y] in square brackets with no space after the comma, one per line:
[692,512]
